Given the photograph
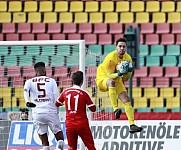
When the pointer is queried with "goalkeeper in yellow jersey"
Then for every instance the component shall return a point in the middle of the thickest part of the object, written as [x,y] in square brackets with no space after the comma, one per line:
[116,68]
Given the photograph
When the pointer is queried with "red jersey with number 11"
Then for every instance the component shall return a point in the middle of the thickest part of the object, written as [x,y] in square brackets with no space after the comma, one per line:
[76,100]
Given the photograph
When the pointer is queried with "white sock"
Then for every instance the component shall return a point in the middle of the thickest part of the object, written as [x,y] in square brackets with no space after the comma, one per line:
[60,145]
[46,148]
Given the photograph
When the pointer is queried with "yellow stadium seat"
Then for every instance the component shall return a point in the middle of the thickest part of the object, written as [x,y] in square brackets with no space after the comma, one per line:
[61,6]
[178,7]
[107,6]
[178,92]
[172,102]
[156,102]
[3,6]
[30,6]
[50,17]
[14,101]
[122,6]
[142,17]
[158,17]
[111,17]
[5,94]
[45,6]
[96,17]
[34,17]
[137,6]
[152,6]
[168,6]
[167,92]
[127,17]
[102,94]
[15,6]
[174,17]
[91,6]
[150,92]
[76,6]
[5,17]
[140,102]
[65,17]
[137,92]
[81,17]
[22,104]
[19,17]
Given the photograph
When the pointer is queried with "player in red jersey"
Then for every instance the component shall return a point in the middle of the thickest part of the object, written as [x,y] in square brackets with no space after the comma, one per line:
[76,100]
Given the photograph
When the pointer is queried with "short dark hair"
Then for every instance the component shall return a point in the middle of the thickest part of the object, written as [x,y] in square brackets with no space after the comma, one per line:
[77,77]
[121,40]
[39,64]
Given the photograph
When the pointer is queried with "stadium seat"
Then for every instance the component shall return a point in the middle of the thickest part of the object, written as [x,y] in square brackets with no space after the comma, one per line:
[95,17]
[3,5]
[1,37]
[84,28]
[55,61]
[127,17]
[144,50]
[64,82]
[12,37]
[169,61]
[32,50]
[158,17]
[4,50]
[172,102]
[167,6]
[61,6]
[76,6]
[65,17]
[167,39]
[146,82]
[156,102]
[15,6]
[134,83]
[30,6]
[106,6]
[174,17]
[17,50]
[90,38]
[178,9]
[176,82]
[178,39]
[104,39]
[48,50]
[157,50]
[45,6]
[117,36]
[137,92]
[144,109]
[5,17]
[24,28]
[8,27]
[43,58]
[100,28]
[74,36]
[152,39]
[69,28]
[38,28]
[34,17]
[147,28]
[91,60]
[27,37]
[160,109]
[25,60]
[13,71]
[4,82]
[60,71]
[57,36]
[28,71]
[6,96]
[50,17]
[162,82]
[42,36]
[115,28]
[91,6]
[54,28]
[108,48]
[166,92]
[142,17]
[140,102]
[152,61]
[95,48]
[10,60]
[162,28]
[141,72]
[150,92]
[19,17]
[73,69]
[155,71]
[176,28]
[179,61]
[122,6]
[81,17]
[171,71]
[18,81]
[173,50]
[111,17]
[137,6]
[91,71]
[2,71]
[152,6]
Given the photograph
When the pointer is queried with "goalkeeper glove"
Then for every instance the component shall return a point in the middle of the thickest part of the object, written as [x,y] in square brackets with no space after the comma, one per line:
[117,113]
[30,104]
[119,73]
[130,68]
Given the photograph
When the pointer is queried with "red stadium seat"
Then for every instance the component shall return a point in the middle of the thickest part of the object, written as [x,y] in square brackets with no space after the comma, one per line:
[90,38]
[178,39]
[162,28]
[12,37]
[57,36]
[176,28]
[74,36]
[8,27]
[117,36]
[24,28]
[18,81]
[43,36]
[167,39]
[104,39]
[91,71]
[1,71]
[171,71]
[155,71]
[64,82]
[162,82]
[61,71]
[176,82]
[1,37]
[69,28]
[38,27]
[85,28]
[4,81]
[13,71]
[147,28]
[74,69]
[100,28]
[115,28]
[146,82]
[54,28]
[27,37]
[134,83]
[49,71]
[141,72]
[152,39]
[28,71]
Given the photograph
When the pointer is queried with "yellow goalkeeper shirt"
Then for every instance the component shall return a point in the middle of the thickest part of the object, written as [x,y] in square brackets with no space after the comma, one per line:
[108,67]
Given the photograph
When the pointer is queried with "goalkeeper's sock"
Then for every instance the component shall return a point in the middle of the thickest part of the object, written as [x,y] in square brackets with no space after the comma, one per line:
[113,98]
[46,148]
[129,112]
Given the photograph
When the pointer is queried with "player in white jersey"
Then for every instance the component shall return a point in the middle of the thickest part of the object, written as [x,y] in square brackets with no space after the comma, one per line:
[40,93]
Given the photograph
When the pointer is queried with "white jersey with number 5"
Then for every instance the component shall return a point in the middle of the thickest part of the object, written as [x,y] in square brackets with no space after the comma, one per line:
[43,92]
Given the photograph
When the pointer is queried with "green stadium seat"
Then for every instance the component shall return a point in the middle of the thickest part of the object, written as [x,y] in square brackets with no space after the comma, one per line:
[32,50]
[173,50]
[10,60]
[25,60]
[3,50]
[63,50]
[160,109]
[152,61]
[142,61]
[177,109]
[43,58]
[48,50]
[58,60]
[95,48]
[157,50]
[169,61]
[91,60]
[146,109]
[179,61]
[109,48]
[144,50]
[17,50]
